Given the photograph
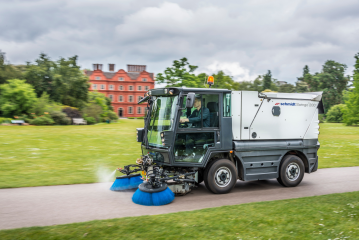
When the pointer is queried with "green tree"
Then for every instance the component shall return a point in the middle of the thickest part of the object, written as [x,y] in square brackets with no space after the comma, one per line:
[305,72]
[70,84]
[332,82]
[286,88]
[335,113]
[180,74]
[62,80]
[351,115]
[7,71]
[301,87]
[17,97]
[267,80]
[40,75]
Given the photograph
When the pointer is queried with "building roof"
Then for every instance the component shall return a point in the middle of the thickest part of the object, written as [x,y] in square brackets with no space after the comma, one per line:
[109,75]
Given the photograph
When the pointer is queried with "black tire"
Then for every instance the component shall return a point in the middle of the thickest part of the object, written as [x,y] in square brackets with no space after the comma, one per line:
[221,176]
[291,171]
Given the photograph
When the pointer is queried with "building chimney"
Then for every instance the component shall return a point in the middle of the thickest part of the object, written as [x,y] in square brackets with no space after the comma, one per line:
[111,67]
[136,68]
[97,66]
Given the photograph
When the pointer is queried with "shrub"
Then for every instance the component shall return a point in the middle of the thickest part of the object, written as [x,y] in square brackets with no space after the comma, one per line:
[5,120]
[72,112]
[136,117]
[93,110]
[60,118]
[112,115]
[335,113]
[44,104]
[90,120]
[44,120]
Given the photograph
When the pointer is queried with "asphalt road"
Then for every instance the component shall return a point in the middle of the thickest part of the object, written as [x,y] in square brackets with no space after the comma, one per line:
[50,205]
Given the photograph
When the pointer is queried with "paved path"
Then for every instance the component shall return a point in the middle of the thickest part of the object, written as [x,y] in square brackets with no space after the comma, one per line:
[41,206]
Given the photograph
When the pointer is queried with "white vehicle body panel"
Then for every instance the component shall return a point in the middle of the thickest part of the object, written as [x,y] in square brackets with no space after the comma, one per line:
[292,123]
[313,130]
[252,113]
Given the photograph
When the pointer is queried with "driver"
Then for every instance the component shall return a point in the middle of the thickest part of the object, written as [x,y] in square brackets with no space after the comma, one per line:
[195,117]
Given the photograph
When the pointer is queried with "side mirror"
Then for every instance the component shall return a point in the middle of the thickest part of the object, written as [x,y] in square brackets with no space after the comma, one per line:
[190,100]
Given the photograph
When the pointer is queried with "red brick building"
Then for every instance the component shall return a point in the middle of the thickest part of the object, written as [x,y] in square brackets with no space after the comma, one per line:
[125,89]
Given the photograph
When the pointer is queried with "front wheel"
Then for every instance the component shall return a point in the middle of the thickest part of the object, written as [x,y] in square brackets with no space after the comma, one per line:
[291,172]
[221,176]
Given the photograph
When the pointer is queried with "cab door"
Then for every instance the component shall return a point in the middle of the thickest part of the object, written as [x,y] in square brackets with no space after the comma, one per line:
[197,129]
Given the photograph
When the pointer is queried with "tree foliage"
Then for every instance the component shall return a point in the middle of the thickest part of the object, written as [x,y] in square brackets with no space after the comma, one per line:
[16,98]
[335,113]
[180,74]
[62,80]
[351,115]
[267,80]
[286,88]
[330,80]
[7,71]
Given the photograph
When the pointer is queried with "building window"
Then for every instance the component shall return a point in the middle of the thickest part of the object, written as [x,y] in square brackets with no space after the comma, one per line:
[111,87]
[120,98]
[120,87]
[94,86]
[139,98]
[130,98]
[138,110]
[144,79]
[98,78]
[130,110]
[103,87]
[121,79]
[147,88]
[130,88]
[139,88]
[110,97]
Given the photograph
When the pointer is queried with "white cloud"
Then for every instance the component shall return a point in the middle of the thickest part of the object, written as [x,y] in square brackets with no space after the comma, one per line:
[243,38]
[233,69]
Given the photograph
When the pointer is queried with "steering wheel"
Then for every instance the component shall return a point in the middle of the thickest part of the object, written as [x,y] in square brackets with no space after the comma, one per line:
[183,125]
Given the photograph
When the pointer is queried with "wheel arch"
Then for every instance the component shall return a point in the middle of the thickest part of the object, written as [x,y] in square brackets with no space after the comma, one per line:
[299,154]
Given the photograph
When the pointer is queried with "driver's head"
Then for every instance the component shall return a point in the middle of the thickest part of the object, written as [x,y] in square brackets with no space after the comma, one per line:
[197,102]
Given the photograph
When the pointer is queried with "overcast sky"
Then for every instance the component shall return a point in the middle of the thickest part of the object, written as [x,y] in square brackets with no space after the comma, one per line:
[243,38]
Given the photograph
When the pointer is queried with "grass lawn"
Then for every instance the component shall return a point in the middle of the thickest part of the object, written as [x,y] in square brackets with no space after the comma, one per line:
[339,145]
[52,155]
[334,216]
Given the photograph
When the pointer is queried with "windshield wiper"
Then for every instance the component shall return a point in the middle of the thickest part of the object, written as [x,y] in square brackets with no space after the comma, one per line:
[143,99]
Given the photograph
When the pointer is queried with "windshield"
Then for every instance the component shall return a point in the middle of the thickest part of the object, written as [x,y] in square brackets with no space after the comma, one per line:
[162,118]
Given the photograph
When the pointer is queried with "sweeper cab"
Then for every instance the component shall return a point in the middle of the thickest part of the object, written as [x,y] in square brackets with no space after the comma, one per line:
[218,136]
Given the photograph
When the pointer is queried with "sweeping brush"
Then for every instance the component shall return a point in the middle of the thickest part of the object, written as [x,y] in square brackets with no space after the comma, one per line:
[126,182]
[147,195]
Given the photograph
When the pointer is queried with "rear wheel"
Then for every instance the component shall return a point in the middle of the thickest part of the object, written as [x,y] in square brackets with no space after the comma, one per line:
[291,172]
[221,176]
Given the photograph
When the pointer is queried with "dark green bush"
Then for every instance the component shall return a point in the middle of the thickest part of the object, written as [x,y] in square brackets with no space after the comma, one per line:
[136,117]
[335,113]
[60,118]
[90,120]
[72,112]
[44,120]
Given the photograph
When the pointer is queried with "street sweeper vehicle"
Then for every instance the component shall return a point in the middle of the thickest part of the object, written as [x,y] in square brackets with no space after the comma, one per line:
[218,136]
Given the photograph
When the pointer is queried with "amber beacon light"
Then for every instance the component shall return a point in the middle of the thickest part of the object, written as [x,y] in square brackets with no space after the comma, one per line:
[210,81]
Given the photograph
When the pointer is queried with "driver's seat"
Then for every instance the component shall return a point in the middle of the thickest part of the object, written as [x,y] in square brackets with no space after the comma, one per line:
[213,109]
